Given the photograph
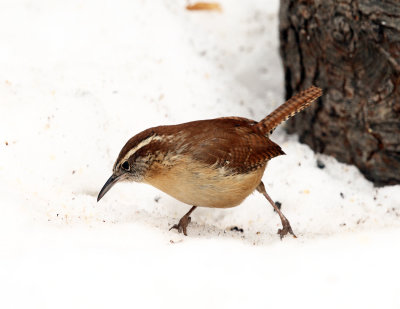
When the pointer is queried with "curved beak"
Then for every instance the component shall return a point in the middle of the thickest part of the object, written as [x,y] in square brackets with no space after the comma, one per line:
[108,185]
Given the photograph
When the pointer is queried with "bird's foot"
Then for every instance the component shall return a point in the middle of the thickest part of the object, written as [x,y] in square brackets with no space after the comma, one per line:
[182,225]
[286,228]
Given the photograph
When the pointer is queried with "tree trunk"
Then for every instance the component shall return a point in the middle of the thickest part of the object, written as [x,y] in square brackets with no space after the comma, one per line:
[351,49]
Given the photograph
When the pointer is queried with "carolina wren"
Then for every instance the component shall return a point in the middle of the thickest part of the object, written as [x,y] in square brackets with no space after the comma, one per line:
[208,163]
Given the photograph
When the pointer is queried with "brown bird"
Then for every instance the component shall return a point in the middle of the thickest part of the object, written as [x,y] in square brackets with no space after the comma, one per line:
[208,163]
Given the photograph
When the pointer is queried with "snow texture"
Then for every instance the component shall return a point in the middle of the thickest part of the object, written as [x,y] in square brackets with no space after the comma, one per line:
[78,79]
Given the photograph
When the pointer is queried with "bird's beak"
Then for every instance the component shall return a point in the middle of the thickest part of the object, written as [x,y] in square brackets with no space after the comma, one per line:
[108,185]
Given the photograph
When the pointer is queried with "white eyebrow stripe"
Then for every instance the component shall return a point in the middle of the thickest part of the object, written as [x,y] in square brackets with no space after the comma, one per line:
[140,145]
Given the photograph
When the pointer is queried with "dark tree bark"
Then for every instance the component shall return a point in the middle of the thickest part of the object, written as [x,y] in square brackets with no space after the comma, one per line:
[351,49]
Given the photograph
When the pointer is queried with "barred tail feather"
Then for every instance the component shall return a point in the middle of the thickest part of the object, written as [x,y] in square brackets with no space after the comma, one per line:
[288,109]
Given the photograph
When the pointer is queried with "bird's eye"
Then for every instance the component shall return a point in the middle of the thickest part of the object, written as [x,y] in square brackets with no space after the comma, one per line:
[125,166]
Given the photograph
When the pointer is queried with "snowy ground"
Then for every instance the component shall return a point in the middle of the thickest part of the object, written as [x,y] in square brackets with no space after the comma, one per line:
[78,78]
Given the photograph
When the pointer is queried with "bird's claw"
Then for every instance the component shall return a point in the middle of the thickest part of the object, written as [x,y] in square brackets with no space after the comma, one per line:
[182,225]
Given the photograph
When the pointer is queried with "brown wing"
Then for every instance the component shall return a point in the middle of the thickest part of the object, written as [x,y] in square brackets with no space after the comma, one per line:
[234,143]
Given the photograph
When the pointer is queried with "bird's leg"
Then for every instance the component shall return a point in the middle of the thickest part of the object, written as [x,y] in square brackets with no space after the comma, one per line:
[285,222]
[183,222]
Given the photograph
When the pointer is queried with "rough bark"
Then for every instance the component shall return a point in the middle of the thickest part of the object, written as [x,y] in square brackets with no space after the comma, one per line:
[351,49]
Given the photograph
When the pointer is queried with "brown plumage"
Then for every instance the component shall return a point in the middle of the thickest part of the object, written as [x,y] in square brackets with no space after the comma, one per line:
[209,163]
[290,108]
[234,143]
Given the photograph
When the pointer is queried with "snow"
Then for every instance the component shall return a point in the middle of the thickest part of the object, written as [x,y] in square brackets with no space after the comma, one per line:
[78,79]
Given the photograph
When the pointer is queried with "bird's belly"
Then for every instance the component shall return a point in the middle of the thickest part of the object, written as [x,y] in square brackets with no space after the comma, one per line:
[200,185]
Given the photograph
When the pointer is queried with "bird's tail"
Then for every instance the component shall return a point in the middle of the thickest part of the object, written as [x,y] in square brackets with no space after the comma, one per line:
[288,109]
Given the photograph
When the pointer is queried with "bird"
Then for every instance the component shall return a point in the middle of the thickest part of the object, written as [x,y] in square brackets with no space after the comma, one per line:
[215,163]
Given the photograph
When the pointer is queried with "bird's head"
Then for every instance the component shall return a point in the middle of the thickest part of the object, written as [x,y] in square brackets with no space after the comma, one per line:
[134,160]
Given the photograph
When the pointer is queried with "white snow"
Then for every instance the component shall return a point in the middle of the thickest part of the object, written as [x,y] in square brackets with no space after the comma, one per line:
[78,78]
